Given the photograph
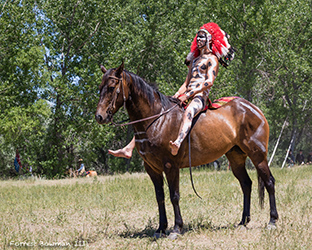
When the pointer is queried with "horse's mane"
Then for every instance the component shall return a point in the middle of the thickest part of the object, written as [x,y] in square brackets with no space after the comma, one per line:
[148,90]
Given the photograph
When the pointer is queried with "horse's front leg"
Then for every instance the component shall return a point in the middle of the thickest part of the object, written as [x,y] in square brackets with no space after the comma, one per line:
[173,177]
[158,181]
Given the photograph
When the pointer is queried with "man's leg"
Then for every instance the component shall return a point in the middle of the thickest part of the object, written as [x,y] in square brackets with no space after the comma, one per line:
[196,105]
[125,152]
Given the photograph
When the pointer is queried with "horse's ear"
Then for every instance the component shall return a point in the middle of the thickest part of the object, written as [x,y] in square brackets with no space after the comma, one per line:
[103,69]
[120,69]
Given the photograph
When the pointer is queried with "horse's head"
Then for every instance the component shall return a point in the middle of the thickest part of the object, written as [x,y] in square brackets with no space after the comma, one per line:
[112,94]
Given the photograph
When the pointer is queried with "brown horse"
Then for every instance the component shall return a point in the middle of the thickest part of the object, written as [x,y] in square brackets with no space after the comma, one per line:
[91,173]
[238,129]
[86,174]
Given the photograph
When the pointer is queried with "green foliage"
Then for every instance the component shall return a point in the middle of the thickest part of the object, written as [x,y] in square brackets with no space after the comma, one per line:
[50,54]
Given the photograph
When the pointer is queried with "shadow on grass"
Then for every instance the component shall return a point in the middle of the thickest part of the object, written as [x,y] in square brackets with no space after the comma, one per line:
[134,233]
[194,226]
[206,226]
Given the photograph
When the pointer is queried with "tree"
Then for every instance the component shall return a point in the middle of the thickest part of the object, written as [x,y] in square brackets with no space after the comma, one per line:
[50,54]
[287,69]
[21,79]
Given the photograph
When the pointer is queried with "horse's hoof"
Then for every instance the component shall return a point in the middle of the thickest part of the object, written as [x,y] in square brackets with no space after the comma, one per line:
[241,228]
[244,221]
[173,236]
[271,226]
[159,235]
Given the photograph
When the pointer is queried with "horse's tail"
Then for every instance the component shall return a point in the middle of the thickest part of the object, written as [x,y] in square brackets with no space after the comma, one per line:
[261,191]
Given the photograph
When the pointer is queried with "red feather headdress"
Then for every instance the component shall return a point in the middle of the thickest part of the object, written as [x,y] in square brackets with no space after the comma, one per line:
[220,46]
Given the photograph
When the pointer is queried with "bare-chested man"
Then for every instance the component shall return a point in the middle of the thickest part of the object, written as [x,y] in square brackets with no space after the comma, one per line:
[199,81]
[207,50]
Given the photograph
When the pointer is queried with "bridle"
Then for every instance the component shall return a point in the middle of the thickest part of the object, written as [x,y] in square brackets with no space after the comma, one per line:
[112,105]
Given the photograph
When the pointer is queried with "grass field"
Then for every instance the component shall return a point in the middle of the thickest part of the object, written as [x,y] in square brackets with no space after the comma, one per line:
[120,212]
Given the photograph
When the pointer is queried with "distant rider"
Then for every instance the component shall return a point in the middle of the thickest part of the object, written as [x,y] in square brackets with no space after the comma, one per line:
[82,169]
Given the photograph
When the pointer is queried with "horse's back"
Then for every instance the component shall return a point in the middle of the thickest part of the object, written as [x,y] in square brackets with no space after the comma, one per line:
[237,123]
[236,114]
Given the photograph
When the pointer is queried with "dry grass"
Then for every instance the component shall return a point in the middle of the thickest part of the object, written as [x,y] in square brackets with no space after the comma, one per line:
[120,212]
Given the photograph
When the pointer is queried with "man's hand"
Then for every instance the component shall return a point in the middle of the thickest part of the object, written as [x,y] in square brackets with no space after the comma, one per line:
[176,95]
[182,97]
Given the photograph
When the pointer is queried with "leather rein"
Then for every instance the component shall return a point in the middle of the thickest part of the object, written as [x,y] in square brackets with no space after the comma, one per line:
[113,103]
[112,106]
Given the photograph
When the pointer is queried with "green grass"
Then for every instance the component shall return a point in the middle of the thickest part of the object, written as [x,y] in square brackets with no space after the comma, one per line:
[120,212]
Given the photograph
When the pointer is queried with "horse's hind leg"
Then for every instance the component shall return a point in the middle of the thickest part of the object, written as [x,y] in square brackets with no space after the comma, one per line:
[267,178]
[237,159]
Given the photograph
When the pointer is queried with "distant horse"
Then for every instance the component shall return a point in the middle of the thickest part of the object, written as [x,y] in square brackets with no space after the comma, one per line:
[71,173]
[91,173]
[238,129]
[86,173]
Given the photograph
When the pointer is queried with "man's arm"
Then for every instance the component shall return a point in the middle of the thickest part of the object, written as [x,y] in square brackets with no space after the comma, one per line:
[183,88]
[81,166]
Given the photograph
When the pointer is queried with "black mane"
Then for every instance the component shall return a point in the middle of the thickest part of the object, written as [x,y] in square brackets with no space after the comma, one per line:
[148,90]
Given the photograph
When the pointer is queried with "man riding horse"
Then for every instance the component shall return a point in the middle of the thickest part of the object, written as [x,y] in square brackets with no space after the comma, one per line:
[209,46]
[240,129]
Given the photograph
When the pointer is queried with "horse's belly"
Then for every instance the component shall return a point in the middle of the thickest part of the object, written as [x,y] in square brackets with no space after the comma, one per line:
[211,138]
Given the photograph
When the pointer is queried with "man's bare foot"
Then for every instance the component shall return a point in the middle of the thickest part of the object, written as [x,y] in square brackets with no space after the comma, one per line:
[124,153]
[174,148]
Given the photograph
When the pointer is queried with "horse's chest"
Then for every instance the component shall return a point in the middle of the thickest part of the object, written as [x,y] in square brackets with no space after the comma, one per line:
[147,147]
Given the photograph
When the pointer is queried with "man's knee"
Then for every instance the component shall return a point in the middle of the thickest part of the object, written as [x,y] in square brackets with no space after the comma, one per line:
[200,101]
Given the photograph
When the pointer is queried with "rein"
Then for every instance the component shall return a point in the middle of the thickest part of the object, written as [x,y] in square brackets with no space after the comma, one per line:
[190,164]
[119,124]
[145,119]
[121,81]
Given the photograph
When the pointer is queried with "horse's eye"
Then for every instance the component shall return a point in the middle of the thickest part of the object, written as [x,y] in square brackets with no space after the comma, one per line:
[111,89]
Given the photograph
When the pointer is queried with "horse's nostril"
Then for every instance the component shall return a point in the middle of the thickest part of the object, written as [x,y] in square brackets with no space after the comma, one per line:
[99,118]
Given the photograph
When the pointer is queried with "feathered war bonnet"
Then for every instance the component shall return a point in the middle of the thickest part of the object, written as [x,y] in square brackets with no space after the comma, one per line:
[220,46]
